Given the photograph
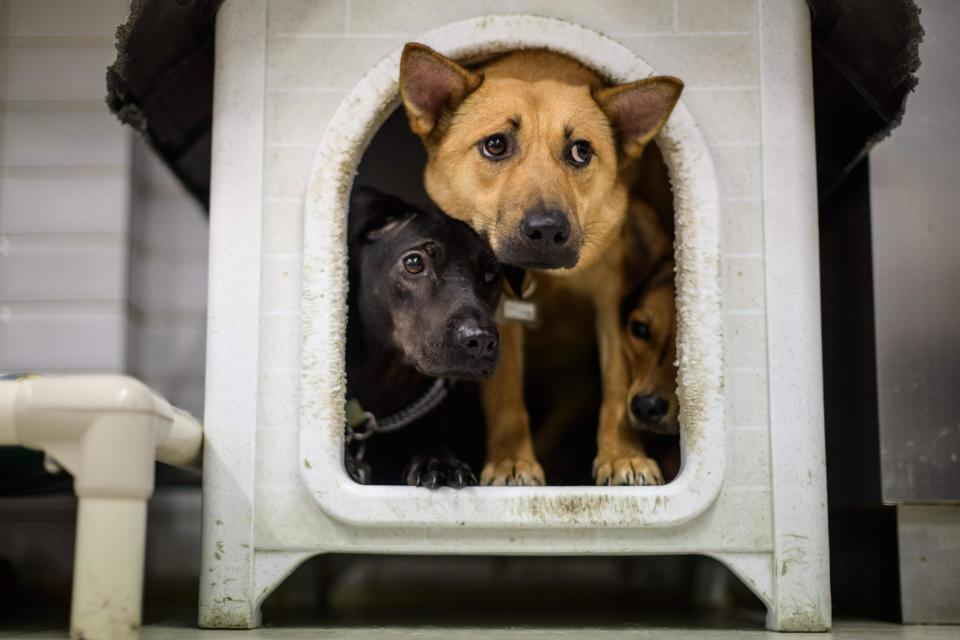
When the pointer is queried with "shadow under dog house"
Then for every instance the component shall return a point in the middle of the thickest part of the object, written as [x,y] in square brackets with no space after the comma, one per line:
[301,87]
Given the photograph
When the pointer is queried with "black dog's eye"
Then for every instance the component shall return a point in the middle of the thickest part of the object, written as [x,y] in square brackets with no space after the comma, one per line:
[413,262]
[495,147]
[640,330]
[579,153]
[490,275]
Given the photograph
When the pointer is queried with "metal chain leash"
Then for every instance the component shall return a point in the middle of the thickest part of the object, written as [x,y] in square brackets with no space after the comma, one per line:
[362,425]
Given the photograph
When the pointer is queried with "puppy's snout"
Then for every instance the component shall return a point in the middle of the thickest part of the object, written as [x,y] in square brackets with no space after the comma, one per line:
[545,228]
[476,340]
[650,409]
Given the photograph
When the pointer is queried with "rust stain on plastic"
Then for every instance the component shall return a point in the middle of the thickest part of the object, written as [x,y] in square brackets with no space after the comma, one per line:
[594,509]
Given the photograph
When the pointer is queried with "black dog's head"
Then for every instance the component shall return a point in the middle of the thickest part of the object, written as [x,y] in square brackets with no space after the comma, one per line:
[425,286]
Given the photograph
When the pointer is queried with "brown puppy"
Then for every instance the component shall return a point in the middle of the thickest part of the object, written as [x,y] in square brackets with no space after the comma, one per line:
[529,150]
[649,324]
[650,329]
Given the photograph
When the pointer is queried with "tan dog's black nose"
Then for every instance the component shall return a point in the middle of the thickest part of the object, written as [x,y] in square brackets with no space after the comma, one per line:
[650,409]
[477,341]
[544,229]
[544,240]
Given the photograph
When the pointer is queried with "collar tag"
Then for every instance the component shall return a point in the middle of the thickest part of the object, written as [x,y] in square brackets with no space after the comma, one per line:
[517,304]
[519,310]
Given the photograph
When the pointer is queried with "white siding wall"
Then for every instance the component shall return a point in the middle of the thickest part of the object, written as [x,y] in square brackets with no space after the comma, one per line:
[102,254]
[168,283]
[64,194]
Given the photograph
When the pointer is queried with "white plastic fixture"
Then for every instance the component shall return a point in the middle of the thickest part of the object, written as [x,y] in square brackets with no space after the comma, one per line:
[275,492]
[106,430]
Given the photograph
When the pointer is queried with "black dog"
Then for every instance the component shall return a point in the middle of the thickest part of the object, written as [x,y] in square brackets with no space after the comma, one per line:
[423,292]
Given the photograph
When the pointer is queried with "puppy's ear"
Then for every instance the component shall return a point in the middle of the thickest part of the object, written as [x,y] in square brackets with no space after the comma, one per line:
[638,110]
[374,214]
[430,83]
[382,227]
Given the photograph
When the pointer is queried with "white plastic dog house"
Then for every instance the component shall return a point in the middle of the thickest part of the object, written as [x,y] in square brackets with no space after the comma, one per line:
[298,86]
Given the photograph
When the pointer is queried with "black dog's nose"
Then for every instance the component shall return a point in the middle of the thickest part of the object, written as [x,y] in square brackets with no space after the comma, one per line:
[476,340]
[545,228]
[650,409]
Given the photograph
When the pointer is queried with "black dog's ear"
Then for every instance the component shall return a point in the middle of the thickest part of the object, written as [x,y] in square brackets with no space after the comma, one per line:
[373,214]
[430,83]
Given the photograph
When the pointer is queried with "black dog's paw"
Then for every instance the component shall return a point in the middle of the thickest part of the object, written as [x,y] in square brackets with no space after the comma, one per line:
[359,472]
[431,472]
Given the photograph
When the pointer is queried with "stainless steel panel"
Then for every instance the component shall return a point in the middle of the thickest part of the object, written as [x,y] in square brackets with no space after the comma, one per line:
[915,211]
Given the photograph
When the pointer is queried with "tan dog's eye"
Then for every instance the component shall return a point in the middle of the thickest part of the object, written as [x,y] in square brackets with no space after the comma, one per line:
[579,153]
[640,330]
[413,263]
[495,147]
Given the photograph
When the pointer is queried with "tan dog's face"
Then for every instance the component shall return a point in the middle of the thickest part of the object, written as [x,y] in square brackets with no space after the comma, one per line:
[650,345]
[528,149]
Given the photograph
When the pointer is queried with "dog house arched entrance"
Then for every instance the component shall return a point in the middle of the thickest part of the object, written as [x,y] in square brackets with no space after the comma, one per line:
[324,308]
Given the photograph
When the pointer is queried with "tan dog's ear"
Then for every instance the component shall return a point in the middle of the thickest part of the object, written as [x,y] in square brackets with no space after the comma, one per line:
[430,83]
[638,110]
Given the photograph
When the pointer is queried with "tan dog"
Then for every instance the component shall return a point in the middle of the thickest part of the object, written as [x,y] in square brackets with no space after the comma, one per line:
[529,150]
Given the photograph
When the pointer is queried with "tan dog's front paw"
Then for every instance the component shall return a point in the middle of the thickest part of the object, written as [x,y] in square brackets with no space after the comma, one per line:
[509,472]
[636,470]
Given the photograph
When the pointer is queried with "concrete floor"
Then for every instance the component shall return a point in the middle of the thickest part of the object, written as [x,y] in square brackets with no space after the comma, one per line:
[843,629]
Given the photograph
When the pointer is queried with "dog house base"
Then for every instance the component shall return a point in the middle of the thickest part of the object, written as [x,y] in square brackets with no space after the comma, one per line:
[755,570]
[274,492]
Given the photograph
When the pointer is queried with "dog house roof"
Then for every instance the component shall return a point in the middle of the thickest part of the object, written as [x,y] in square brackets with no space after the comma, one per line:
[865,57]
